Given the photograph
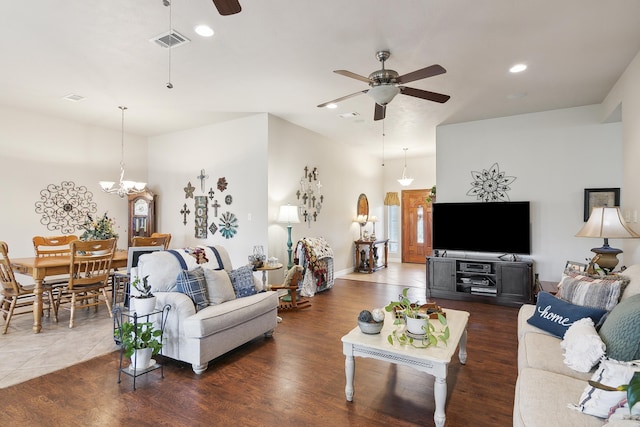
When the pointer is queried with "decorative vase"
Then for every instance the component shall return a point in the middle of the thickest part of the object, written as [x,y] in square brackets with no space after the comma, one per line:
[414,325]
[143,306]
[141,358]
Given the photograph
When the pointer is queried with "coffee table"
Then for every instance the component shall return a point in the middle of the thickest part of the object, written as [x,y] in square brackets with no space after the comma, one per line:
[432,360]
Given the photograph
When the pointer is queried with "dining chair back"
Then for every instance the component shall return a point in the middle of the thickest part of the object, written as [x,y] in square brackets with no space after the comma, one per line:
[53,245]
[89,273]
[167,236]
[15,296]
[149,241]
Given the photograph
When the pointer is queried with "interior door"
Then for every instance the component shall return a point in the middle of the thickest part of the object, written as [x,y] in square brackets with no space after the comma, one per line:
[416,226]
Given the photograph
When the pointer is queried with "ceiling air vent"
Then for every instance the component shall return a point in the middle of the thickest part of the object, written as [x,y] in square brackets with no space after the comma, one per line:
[170,39]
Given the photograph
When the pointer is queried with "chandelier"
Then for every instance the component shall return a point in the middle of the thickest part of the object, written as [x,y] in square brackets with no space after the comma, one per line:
[404,181]
[123,187]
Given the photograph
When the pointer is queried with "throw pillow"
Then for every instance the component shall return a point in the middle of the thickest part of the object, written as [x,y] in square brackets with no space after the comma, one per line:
[613,373]
[219,287]
[555,315]
[582,346]
[193,284]
[600,292]
[621,330]
[242,281]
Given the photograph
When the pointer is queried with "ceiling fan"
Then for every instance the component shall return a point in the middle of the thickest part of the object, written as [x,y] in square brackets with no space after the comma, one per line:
[227,7]
[386,84]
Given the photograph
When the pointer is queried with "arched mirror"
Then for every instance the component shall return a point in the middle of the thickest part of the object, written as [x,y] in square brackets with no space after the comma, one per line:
[363,207]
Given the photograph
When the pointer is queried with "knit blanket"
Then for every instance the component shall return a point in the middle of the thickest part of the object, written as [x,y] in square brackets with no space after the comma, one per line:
[316,251]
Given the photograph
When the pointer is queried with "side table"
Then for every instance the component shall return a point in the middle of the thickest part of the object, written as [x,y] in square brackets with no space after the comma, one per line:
[367,261]
[266,267]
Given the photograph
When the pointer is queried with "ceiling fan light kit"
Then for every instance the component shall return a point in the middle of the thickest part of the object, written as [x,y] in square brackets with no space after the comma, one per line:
[383,94]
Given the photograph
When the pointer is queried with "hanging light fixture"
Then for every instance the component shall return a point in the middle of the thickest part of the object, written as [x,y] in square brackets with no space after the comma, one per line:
[404,181]
[124,187]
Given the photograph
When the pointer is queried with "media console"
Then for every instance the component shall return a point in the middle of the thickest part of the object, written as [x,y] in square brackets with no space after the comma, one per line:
[490,280]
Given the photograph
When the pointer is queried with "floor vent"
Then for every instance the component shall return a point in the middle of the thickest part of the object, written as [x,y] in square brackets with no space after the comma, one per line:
[170,39]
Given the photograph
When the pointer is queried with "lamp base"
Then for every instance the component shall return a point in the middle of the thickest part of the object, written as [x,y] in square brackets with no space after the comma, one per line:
[606,257]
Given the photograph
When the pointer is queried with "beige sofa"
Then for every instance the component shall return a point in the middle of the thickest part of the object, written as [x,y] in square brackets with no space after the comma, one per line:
[197,337]
[545,385]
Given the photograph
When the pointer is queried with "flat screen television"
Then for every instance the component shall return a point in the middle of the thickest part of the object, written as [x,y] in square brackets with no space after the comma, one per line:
[495,227]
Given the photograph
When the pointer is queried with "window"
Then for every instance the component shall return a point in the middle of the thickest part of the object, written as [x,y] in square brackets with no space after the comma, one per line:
[393,228]
[420,225]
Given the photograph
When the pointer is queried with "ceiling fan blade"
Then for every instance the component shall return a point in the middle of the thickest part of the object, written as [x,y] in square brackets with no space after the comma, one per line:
[379,112]
[431,71]
[227,7]
[429,96]
[342,98]
[353,76]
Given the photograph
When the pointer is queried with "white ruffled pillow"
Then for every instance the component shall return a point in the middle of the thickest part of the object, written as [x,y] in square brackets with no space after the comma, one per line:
[583,347]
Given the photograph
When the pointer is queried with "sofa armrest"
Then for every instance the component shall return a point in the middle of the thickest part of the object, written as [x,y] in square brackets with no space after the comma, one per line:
[182,307]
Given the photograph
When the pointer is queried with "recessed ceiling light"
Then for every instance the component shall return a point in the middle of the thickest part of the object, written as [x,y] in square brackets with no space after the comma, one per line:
[332,106]
[347,115]
[203,30]
[518,68]
[73,97]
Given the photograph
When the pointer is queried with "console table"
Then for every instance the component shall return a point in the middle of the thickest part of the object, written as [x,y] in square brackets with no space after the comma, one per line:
[368,261]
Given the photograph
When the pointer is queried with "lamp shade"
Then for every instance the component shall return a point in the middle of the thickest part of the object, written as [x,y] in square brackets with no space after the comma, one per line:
[606,223]
[288,215]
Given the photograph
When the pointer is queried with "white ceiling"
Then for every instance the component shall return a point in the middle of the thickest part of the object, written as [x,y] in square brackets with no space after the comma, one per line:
[277,56]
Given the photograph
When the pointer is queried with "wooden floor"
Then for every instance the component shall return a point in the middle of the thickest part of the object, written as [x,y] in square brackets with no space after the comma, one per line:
[295,378]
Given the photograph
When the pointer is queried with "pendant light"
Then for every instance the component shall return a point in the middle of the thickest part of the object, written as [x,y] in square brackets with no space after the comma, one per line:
[124,187]
[404,181]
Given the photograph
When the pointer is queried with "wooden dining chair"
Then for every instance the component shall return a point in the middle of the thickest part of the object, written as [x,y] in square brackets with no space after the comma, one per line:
[15,296]
[167,236]
[149,241]
[89,273]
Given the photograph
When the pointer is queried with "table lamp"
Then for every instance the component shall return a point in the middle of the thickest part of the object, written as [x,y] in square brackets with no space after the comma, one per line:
[289,215]
[607,223]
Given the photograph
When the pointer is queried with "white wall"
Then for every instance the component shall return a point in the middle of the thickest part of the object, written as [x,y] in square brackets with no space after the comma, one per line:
[37,151]
[554,155]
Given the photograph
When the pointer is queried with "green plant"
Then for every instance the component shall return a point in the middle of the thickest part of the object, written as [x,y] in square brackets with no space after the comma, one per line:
[136,336]
[405,308]
[99,229]
[632,389]
[432,194]
[144,288]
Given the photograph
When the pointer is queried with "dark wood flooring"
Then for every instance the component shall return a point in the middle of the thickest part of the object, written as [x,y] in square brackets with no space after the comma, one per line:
[295,378]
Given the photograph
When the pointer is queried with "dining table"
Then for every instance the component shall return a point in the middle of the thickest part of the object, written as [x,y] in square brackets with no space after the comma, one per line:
[41,267]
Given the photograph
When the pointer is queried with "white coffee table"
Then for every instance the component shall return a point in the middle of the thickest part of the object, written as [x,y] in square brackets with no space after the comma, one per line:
[432,360]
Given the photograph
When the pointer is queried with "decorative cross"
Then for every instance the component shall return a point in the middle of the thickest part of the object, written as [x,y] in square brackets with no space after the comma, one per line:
[188,191]
[313,201]
[184,211]
[202,177]
[315,174]
[215,207]
[211,193]
[321,198]
[305,197]
[298,194]
[306,170]
[306,215]
[315,216]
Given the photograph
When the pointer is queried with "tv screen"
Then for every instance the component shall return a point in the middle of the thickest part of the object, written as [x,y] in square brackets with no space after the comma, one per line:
[500,227]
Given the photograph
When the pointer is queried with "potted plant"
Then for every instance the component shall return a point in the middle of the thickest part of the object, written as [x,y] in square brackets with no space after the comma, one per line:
[99,229]
[144,302]
[140,341]
[632,389]
[417,324]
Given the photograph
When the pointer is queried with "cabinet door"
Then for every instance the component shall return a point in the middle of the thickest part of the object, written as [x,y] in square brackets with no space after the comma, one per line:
[441,274]
[515,281]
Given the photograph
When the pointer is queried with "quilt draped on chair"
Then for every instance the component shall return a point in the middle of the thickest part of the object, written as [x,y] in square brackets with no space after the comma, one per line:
[316,256]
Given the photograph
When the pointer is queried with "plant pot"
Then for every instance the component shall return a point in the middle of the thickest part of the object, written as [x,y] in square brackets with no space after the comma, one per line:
[414,325]
[143,306]
[141,359]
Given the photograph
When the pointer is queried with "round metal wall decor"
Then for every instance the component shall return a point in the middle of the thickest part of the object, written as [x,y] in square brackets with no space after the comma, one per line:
[65,207]
[490,185]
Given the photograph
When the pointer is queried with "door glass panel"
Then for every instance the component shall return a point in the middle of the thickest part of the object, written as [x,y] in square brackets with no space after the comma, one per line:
[420,225]
[393,228]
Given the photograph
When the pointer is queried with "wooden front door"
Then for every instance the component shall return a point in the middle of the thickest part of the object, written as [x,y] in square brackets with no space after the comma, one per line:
[416,226]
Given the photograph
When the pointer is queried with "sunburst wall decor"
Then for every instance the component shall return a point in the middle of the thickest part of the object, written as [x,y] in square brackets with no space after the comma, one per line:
[490,185]
[65,207]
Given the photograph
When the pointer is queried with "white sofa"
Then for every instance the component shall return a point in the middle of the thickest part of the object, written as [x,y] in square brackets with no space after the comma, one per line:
[545,385]
[198,337]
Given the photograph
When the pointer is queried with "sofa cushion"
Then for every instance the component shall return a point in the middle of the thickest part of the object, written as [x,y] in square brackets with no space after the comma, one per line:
[219,287]
[193,284]
[633,288]
[613,373]
[583,347]
[621,330]
[242,281]
[541,400]
[542,351]
[555,315]
[592,292]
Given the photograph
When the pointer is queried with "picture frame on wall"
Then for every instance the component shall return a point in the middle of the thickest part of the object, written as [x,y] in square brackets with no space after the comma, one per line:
[600,197]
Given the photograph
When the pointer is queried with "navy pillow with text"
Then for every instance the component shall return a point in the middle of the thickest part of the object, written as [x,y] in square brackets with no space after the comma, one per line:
[554,315]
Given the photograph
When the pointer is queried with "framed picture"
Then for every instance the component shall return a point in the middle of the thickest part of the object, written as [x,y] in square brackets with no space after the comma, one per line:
[575,266]
[600,197]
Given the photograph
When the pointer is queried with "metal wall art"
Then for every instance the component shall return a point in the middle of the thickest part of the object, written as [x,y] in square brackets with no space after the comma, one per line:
[490,185]
[310,200]
[228,223]
[65,207]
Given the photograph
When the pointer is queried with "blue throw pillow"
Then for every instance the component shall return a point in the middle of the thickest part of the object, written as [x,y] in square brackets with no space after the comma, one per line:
[242,281]
[555,315]
[194,284]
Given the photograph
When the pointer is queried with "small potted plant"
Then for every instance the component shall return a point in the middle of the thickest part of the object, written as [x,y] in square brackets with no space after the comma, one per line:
[143,302]
[417,324]
[140,342]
